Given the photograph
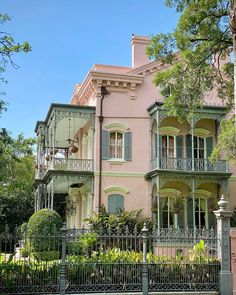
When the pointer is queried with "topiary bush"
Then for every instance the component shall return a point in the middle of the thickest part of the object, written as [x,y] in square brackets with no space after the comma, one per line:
[44,230]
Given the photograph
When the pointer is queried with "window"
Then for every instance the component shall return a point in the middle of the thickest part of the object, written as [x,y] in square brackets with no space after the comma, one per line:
[200,211]
[167,212]
[199,147]
[115,203]
[116,145]
[168,146]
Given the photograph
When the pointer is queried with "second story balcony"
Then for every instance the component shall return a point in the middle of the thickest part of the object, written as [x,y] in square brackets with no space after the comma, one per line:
[188,164]
[72,165]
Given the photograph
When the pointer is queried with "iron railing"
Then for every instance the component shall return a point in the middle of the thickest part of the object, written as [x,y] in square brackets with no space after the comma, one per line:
[109,260]
[81,165]
[187,164]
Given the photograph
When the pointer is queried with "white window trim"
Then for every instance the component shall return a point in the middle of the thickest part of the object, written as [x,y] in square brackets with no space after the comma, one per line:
[167,146]
[123,146]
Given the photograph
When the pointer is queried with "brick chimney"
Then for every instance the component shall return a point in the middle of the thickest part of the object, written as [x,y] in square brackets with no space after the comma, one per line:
[139,44]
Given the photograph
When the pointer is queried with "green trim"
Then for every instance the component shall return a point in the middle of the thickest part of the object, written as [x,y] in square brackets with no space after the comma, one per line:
[169,130]
[116,126]
[203,192]
[122,174]
[114,188]
[232,178]
[170,190]
[201,132]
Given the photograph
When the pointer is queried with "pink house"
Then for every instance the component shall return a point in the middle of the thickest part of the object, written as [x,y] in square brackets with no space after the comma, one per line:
[114,145]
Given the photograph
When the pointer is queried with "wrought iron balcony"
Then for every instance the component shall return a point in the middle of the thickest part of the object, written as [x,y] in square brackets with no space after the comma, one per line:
[39,173]
[77,165]
[184,164]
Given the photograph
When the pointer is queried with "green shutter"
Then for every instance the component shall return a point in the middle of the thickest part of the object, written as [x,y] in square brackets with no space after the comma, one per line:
[190,213]
[189,146]
[209,146]
[179,146]
[155,146]
[128,146]
[211,220]
[115,203]
[181,218]
[105,145]
[160,146]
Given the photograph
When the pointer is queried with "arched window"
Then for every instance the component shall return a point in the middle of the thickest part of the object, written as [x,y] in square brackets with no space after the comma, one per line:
[116,145]
[200,212]
[167,205]
[115,203]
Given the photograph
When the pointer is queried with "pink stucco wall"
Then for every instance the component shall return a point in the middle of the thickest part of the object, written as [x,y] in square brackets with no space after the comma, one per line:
[129,106]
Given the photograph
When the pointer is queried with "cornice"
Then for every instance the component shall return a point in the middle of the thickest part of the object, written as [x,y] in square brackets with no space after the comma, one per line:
[94,80]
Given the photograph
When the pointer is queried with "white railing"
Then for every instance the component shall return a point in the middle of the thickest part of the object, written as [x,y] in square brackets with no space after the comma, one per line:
[181,164]
[71,165]
[39,173]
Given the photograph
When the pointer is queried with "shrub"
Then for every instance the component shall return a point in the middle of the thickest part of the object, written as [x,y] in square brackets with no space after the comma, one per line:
[22,230]
[84,245]
[44,230]
[123,220]
[47,255]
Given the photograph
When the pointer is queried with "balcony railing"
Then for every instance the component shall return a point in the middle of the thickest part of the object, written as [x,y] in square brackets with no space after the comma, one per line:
[181,164]
[77,165]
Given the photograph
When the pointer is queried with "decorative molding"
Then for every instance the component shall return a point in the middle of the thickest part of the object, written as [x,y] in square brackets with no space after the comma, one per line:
[117,189]
[202,192]
[170,190]
[169,130]
[117,126]
[201,132]
[122,174]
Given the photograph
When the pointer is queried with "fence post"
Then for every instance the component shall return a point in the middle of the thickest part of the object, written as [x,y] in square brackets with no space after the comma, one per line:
[63,260]
[144,264]
[223,235]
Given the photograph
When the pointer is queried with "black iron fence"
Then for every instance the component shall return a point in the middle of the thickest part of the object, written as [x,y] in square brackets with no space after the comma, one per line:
[86,261]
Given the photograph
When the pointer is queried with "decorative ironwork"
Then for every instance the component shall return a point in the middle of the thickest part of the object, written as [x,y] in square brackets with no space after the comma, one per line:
[109,259]
[186,164]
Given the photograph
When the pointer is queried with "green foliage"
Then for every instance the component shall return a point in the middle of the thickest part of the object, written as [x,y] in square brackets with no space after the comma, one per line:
[83,244]
[8,47]
[22,230]
[198,254]
[46,255]
[16,179]
[226,140]
[43,229]
[193,55]
[124,220]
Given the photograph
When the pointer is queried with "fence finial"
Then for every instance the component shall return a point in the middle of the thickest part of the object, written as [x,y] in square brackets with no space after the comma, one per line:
[222,203]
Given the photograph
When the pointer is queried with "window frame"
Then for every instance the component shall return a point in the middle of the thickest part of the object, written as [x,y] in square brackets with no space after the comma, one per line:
[112,196]
[116,146]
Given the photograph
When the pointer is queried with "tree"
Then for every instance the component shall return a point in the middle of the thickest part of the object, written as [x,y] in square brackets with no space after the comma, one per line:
[16,180]
[197,55]
[8,46]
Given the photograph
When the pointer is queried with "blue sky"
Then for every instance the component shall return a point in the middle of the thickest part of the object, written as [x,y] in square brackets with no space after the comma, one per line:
[67,38]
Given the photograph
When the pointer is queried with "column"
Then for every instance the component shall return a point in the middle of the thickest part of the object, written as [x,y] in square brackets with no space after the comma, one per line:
[192,134]
[185,212]
[158,141]
[158,206]
[193,197]
[223,232]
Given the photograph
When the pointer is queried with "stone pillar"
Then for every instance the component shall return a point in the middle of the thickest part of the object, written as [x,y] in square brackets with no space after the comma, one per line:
[233,257]
[223,233]
[158,156]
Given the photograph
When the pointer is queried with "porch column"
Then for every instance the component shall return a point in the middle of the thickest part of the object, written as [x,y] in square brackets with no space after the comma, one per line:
[158,141]
[52,193]
[206,217]
[193,197]
[223,232]
[192,135]
[158,206]
[185,212]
